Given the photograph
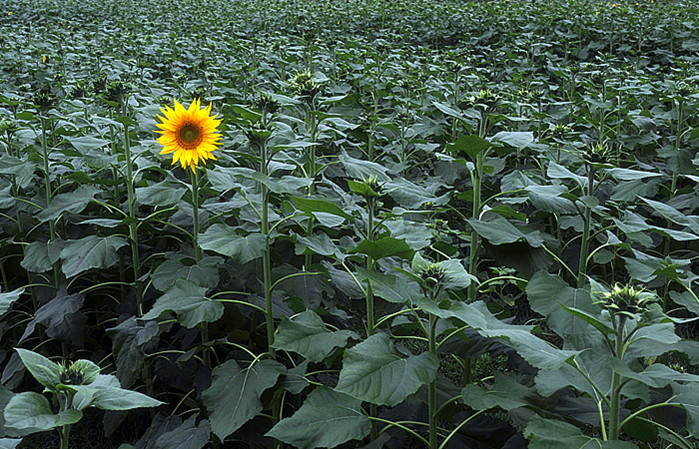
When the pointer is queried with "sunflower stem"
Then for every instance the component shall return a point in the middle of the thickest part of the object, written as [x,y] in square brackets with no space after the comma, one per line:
[133,229]
[266,262]
[47,174]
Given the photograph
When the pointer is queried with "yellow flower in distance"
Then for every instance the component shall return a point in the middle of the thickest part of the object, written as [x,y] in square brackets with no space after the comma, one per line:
[189,133]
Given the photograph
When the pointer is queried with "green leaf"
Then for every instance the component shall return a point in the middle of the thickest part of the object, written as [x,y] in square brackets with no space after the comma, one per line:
[448,110]
[515,139]
[389,287]
[46,372]
[373,371]
[90,252]
[500,231]
[506,393]
[165,193]
[307,335]
[326,419]
[361,169]
[128,340]
[31,410]
[203,273]
[113,398]
[8,298]
[39,257]
[308,206]
[186,436]
[552,434]
[556,171]
[548,292]
[591,320]
[85,144]
[234,395]
[688,396]
[471,145]
[73,202]
[223,239]
[384,247]
[656,376]
[9,443]
[62,318]
[625,174]
[189,302]
[285,184]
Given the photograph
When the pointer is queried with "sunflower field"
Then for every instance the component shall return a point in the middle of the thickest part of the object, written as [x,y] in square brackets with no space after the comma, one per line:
[349,224]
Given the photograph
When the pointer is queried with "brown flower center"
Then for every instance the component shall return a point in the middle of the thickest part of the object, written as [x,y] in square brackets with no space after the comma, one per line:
[189,136]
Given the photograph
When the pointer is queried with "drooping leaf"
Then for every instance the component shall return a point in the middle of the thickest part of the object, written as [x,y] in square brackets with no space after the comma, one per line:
[499,231]
[390,287]
[73,202]
[384,247]
[548,292]
[189,302]
[505,393]
[46,372]
[469,145]
[203,273]
[656,376]
[515,139]
[306,334]
[85,144]
[223,239]
[62,318]
[129,339]
[165,193]
[8,298]
[326,419]
[39,257]
[374,372]
[186,436]
[234,395]
[315,206]
[552,434]
[90,252]
[9,443]
[31,410]
[113,398]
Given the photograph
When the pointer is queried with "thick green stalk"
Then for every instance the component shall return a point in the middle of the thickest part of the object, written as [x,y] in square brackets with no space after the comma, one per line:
[616,383]
[203,327]
[266,255]
[133,227]
[47,174]
[195,215]
[370,314]
[585,244]
[308,259]
[475,239]
[432,388]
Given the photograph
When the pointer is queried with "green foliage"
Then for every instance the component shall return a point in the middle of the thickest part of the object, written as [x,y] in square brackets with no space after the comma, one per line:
[403,189]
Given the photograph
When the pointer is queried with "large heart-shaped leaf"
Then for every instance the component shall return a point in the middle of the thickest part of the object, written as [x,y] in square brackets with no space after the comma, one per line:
[326,419]
[234,395]
[90,252]
[31,410]
[307,335]
[374,372]
[189,302]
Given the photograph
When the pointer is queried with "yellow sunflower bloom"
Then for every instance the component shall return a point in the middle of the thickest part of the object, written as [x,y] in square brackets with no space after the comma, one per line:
[189,133]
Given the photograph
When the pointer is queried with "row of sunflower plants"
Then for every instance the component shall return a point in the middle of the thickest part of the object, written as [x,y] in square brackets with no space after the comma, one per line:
[406,232]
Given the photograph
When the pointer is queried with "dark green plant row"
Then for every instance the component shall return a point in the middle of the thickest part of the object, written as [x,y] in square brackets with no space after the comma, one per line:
[430,224]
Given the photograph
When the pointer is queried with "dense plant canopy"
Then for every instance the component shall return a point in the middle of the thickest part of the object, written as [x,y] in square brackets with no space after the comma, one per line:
[401,224]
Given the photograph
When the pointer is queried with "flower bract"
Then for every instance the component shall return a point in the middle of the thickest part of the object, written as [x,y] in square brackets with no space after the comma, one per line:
[189,133]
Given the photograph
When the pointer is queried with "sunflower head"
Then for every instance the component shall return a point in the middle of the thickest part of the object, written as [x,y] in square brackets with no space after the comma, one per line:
[190,134]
